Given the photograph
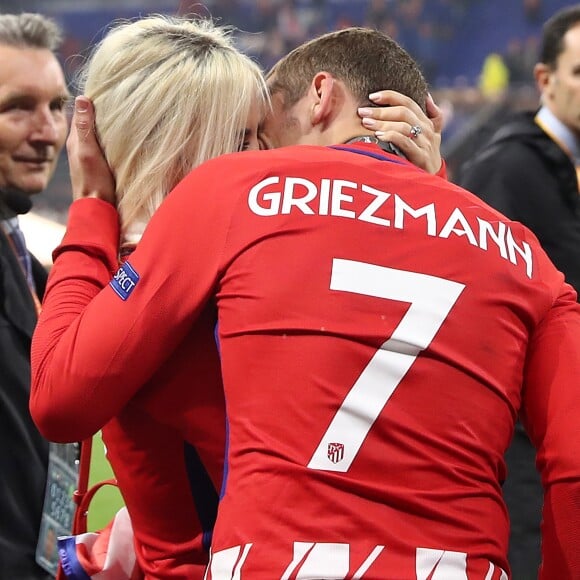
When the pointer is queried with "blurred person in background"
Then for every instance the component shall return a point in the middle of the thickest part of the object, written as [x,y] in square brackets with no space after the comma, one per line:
[33,128]
[529,171]
[166,445]
[379,330]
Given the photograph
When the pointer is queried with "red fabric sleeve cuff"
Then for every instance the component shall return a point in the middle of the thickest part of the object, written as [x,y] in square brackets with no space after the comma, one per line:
[92,227]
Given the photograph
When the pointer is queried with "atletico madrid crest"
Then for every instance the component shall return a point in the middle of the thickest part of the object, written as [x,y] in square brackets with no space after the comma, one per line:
[335,452]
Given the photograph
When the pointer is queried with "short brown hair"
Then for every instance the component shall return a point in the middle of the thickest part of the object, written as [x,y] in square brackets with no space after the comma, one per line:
[366,60]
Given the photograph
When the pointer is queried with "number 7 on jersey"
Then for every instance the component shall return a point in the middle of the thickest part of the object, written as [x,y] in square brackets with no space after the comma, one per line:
[431,299]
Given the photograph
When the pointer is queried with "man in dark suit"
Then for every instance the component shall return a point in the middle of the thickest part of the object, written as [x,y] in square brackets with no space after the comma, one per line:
[33,128]
[529,171]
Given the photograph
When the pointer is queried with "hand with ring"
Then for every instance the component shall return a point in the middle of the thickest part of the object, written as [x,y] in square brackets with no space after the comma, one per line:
[400,120]
[415,131]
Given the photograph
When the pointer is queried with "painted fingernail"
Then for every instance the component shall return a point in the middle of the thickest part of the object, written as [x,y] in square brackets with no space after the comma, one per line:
[81,106]
[374,96]
[368,122]
[365,111]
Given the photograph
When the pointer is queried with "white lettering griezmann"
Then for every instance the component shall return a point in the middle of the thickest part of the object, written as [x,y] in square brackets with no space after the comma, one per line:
[273,196]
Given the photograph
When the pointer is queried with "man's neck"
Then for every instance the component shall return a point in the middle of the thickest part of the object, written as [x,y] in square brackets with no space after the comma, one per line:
[386,146]
[559,132]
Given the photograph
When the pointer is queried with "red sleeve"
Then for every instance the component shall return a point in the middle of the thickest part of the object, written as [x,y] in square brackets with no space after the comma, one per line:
[551,413]
[148,461]
[92,350]
[83,263]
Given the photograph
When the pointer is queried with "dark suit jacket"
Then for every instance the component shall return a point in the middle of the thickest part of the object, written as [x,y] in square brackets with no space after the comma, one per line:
[525,175]
[528,177]
[23,452]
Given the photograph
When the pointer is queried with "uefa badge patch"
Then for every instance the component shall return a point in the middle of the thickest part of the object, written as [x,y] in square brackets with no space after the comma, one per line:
[124,281]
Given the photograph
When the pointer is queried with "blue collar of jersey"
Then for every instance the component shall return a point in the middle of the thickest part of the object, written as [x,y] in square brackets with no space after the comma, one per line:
[379,156]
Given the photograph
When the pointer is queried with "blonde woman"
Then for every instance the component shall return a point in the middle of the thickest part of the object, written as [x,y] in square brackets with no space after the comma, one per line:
[169,94]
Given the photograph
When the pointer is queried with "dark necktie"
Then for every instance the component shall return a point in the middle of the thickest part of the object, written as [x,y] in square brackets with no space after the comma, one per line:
[19,244]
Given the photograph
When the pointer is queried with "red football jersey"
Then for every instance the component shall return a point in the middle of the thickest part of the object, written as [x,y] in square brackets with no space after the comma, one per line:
[166,447]
[380,330]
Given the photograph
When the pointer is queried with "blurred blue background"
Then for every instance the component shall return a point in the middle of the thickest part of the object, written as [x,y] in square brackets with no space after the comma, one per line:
[477,55]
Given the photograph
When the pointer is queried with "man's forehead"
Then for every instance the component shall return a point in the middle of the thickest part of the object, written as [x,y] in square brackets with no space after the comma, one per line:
[31,71]
[571,42]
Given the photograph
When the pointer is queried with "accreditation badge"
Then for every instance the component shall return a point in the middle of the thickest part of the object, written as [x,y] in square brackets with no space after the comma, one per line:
[59,507]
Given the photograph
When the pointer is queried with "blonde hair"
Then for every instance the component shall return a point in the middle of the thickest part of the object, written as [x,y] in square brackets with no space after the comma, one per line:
[169,94]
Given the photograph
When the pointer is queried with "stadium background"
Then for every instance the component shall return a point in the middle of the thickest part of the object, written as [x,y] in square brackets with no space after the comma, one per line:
[477,55]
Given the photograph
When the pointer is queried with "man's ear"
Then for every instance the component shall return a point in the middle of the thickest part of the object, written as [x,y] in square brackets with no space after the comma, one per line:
[543,76]
[322,91]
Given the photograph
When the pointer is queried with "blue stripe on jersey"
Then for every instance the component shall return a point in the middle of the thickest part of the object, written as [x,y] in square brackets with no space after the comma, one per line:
[203,492]
[226,464]
[367,153]
[227,427]
[217,338]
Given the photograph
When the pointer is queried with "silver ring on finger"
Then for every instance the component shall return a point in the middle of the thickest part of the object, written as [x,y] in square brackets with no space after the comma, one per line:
[415,132]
